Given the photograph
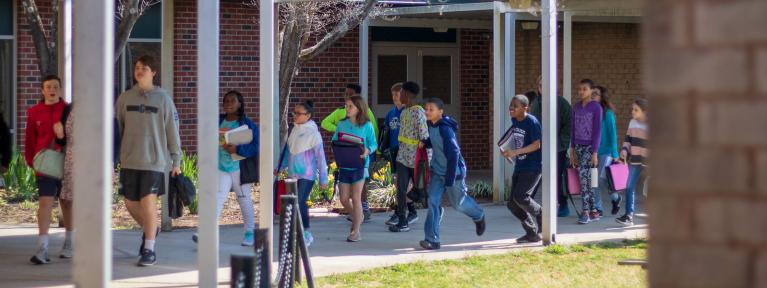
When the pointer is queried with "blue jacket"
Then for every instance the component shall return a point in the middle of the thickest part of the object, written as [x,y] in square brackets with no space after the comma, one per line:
[609,144]
[246,150]
[392,123]
[446,155]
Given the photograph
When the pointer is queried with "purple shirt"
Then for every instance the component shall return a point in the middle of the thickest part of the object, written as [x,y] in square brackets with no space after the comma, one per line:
[586,125]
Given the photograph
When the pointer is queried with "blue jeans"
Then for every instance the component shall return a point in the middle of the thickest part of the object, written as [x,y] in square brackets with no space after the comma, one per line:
[304,189]
[634,172]
[458,199]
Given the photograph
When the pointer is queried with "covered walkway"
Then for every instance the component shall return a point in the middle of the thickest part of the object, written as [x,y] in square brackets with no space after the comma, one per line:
[330,254]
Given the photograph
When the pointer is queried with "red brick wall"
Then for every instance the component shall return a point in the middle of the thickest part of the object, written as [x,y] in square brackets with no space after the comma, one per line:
[28,76]
[607,53]
[476,93]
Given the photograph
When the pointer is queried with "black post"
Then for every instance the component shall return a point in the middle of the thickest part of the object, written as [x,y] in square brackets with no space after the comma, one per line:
[286,271]
[291,188]
[304,254]
[243,268]
[263,269]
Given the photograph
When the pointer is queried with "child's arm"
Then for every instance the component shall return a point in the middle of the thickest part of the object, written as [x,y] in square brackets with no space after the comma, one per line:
[423,129]
[322,166]
[250,149]
[330,123]
[30,138]
[596,128]
[452,151]
[613,134]
[370,138]
[626,150]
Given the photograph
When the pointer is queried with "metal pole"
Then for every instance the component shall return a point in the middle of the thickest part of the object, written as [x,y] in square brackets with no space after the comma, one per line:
[267,114]
[499,112]
[286,274]
[166,58]
[549,71]
[92,79]
[567,57]
[510,83]
[264,268]
[207,140]
[364,60]
[243,268]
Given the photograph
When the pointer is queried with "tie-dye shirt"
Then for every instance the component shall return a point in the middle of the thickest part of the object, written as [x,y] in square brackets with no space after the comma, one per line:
[308,164]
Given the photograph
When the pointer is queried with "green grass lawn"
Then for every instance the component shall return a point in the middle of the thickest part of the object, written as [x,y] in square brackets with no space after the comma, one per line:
[594,265]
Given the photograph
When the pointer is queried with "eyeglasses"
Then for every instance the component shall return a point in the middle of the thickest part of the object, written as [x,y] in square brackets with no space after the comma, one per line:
[294,114]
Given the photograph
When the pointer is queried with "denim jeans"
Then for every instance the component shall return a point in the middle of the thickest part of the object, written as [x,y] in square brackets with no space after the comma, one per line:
[458,199]
[304,189]
[635,171]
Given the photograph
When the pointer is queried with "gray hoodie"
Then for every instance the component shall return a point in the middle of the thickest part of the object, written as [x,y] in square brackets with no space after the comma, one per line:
[148,124]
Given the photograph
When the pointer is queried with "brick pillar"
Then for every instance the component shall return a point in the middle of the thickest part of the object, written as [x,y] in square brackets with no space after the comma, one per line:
[706,79]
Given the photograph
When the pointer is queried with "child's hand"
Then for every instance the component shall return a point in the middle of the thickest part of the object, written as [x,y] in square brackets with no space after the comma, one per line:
[624,155]
[573,162]
[594,160]
[58,129]
[230,148]
[365,153]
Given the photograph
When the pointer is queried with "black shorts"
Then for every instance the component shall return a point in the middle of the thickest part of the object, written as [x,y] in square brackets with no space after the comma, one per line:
[48,187]
[135,184]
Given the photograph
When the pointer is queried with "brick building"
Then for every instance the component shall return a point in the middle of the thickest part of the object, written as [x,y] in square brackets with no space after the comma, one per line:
[707,63]
[452,56]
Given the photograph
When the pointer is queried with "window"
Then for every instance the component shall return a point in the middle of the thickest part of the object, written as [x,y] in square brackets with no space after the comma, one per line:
[7,62]
[145,39]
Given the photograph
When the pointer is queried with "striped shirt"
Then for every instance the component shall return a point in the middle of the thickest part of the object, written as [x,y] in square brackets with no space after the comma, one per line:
[636,143]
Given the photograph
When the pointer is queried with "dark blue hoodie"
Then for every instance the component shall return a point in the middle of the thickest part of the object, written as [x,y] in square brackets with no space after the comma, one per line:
[446,155]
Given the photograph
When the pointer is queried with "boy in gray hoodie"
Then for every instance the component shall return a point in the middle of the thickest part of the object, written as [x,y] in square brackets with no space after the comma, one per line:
[150,144]
[448,174]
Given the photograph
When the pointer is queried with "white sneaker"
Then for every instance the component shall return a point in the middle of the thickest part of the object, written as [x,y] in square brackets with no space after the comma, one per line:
[248,239]
[41,257]
[66,251]
[308,238]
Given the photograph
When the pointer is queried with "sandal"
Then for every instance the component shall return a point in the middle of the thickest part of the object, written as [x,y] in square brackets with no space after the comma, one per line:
[354,237]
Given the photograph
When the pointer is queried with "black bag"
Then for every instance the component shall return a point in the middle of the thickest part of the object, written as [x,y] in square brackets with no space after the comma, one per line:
[181,192]
[249,170]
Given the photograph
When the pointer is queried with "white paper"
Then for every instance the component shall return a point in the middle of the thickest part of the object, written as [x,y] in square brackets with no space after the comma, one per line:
[239,136]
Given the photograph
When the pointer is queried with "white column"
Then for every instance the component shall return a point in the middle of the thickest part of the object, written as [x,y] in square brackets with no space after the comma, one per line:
[92,79]
[499,111]
[166,56]
[364,56]
[207,143]
[549,71]
[268,116]
[65,48]
[509,67]
[567,69]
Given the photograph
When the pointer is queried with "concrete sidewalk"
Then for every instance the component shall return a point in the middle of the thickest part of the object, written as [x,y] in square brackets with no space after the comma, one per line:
[330,253]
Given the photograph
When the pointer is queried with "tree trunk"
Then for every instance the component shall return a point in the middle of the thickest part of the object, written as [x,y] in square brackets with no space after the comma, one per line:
[42,47]
[128,17]
[292,40]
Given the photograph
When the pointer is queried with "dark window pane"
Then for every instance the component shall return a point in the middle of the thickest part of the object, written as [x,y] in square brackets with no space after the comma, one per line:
[6,81]
[406,34]
[391,69]
[149,25]
[436,78]
[6,17]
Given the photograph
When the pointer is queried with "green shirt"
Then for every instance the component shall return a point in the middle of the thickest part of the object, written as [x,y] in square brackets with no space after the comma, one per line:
[564,117]
[330,122]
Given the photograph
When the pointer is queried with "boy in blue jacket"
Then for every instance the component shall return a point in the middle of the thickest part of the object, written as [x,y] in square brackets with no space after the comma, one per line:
[448,174]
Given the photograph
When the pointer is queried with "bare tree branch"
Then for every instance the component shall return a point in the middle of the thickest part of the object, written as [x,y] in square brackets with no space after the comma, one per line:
[42,46]
[343,26]
[128,12]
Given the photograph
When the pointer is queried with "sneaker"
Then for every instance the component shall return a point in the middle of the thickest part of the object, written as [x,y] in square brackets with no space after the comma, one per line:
[625,220]
[194,237]
[308,238]
[248,239]
[583,218]
[148,258]
[367,216]
[41,257]
[399,228]
[354,237]
[601,213]
[143,237]
[393,220]
[66,251]
[480,226]
[616,205]
[563,211]
[441,214]
[411,218]
[529,238]
[594,216]
[426,245]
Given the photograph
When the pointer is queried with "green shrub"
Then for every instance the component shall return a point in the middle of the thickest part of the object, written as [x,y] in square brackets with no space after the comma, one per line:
[20,181]
[189,169]
[556,249]
[383,197]
[481,189]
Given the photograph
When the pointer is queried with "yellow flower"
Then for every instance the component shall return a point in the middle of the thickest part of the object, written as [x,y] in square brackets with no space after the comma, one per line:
[333,165]
[309,203]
